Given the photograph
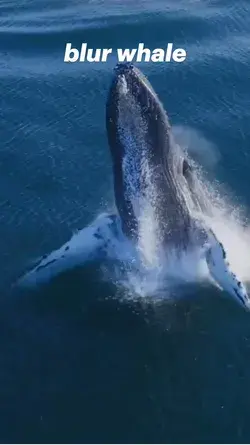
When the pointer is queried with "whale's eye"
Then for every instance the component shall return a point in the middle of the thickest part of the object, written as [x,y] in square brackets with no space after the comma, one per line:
[186,169]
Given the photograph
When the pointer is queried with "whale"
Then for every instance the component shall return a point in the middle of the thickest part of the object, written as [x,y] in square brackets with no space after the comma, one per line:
[152,172]
[147,163]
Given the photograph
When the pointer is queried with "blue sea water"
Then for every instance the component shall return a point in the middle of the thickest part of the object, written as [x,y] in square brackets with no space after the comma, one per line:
[77,363]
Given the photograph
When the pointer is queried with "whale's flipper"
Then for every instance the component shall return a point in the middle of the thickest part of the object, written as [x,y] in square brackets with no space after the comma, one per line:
[95,242]
[221,272]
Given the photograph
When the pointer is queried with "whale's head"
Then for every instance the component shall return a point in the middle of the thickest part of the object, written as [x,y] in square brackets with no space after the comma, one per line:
[135,117]
[148,166]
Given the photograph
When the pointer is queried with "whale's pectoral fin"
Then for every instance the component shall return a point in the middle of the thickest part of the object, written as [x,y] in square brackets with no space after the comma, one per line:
[220,271]
[93,243]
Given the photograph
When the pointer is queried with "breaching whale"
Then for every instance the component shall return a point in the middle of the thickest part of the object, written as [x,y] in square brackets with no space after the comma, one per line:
[150,171]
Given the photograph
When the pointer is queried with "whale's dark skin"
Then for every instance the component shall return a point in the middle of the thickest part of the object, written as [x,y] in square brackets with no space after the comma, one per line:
[140,114]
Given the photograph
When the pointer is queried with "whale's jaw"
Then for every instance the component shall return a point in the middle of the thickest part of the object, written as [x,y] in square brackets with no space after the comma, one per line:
[147,166]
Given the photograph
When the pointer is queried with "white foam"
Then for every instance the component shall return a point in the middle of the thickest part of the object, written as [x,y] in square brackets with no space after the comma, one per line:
[196,145]
[165,273]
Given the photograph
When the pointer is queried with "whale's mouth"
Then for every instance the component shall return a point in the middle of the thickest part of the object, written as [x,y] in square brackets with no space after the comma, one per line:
[133,78]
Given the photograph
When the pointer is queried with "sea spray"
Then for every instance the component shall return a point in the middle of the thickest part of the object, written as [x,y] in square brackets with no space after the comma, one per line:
[164,274]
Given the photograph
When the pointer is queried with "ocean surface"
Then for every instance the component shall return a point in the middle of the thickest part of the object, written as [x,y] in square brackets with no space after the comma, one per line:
[80,362]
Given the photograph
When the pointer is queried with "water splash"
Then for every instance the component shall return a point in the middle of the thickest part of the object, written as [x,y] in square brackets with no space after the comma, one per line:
[199,148]
[164,275]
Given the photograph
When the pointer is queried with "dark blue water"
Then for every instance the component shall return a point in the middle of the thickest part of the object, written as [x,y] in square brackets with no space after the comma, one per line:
[76,363]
